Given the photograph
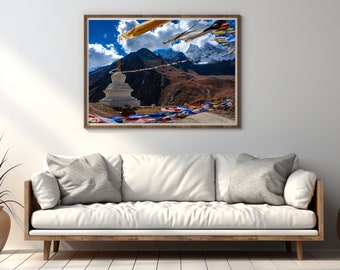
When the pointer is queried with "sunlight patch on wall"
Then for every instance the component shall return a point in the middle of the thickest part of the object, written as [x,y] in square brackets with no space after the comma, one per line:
[31,104]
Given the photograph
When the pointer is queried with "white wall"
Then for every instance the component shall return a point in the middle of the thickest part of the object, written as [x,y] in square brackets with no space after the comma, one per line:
[290,89]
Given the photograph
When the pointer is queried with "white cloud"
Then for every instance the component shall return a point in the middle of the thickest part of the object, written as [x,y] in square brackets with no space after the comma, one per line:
[182,46]
[100,55]
[153,39]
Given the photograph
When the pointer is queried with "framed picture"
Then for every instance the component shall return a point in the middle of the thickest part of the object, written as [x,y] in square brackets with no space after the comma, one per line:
[172,71]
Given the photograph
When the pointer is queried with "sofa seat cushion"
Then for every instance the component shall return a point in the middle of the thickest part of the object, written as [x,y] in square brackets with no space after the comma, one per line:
[173,215]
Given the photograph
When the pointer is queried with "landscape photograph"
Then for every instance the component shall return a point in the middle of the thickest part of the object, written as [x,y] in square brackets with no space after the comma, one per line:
[163,71]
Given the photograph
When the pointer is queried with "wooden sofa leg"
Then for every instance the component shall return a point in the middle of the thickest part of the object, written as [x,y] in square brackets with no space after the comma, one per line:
[47,248]
[299,250]
[56,246]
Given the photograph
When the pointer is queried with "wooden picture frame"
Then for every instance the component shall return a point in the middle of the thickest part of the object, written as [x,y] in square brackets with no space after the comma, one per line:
[163,71]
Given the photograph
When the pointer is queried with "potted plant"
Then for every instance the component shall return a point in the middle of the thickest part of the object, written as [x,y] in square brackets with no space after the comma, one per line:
[5,221]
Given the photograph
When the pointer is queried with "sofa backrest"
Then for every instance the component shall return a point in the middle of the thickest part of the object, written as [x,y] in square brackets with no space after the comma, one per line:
[224,164]
[168,177]
[182,177]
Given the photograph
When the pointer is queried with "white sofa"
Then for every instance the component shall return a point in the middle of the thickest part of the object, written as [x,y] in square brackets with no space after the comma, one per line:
[196,197]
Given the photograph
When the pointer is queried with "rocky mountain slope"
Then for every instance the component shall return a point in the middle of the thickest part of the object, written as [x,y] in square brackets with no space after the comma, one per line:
[168,84]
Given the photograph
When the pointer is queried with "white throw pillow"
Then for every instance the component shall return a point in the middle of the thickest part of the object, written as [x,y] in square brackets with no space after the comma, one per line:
[45,189]
[299,188]
[87,179]
[225,164]
[168,177]
[259,180]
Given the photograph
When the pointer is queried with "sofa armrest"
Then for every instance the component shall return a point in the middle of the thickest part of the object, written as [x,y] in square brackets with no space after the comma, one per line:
[31,205]
[317,205]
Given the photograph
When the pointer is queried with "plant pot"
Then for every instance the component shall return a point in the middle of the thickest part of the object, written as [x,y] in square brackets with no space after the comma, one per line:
[5,226]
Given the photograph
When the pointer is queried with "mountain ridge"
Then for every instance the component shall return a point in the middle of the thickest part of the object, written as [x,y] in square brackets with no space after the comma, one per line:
[159,80]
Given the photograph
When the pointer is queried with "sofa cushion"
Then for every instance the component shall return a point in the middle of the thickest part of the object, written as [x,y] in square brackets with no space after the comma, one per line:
[259,180]
[173,215]
[86,179]
[45,189]
[299,188]
[224,166]
[168,177]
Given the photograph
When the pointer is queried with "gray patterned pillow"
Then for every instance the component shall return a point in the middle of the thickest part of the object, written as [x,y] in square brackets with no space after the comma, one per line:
[84,180]
[259,180]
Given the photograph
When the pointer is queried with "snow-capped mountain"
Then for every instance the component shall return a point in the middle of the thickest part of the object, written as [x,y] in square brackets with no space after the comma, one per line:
[208,54]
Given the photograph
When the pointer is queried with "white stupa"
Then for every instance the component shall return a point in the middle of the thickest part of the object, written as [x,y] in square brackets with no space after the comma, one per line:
[118,93]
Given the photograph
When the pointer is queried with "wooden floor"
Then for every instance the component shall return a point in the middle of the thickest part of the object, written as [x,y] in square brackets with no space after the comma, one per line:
[168,260]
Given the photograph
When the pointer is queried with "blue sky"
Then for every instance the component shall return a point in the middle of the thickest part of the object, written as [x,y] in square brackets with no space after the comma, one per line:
[104,47]
[104,32]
